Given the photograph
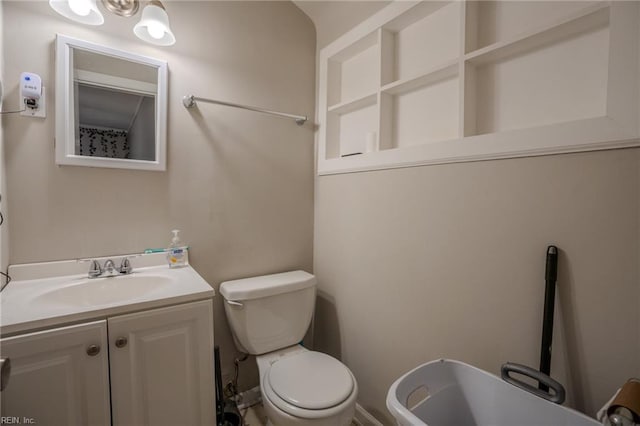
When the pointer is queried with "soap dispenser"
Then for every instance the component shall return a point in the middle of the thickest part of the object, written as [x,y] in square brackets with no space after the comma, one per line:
[177,252]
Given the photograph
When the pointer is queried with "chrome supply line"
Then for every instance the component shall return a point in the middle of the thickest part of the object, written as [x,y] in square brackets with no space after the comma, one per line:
[189,101]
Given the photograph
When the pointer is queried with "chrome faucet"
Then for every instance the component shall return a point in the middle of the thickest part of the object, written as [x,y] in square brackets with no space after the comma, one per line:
[109,268]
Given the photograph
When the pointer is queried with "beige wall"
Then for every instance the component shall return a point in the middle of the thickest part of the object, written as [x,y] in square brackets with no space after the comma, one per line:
[420,263]
[334,18]
[239,184]
[448,261]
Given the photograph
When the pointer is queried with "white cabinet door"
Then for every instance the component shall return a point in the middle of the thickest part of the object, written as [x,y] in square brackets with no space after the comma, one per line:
[162,366]
[58,377]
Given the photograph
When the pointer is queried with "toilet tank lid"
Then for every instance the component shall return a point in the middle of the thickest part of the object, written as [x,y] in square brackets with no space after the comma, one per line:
[266,285]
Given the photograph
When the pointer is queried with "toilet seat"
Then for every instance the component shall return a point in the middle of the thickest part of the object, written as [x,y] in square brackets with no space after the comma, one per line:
[309,385]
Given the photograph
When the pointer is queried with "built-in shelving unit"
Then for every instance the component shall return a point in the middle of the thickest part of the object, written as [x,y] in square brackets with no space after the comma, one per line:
[452,81]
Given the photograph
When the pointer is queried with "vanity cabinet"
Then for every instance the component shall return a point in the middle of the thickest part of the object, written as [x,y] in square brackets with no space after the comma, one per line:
[147,368]
[162,366]
[59,376]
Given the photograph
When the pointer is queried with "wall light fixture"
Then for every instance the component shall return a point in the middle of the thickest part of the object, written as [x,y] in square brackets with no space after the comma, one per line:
[153,26]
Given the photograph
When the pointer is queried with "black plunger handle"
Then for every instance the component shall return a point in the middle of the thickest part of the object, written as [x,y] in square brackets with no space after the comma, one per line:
[219,390]
[551,275]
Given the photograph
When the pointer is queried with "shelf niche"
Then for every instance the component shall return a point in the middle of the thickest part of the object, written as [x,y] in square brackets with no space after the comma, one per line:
[432,27]
[355,71]
[422,110]
[441,82]
[489,22]
[348,126]
[556,76]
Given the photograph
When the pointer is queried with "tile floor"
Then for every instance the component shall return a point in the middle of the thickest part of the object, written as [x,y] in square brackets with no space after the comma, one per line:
[254,415]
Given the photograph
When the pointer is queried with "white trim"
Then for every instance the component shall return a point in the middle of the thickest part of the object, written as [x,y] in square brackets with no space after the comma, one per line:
[364,418]
[600,133]
[97,79]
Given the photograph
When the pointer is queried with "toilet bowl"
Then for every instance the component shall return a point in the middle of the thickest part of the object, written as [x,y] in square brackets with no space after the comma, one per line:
[268,316]
[302,387]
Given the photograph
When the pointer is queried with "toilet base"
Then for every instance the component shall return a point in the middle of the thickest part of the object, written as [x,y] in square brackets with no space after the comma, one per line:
[280,418]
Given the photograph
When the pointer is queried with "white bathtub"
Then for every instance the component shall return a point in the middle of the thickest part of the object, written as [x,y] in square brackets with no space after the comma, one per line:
[452,393]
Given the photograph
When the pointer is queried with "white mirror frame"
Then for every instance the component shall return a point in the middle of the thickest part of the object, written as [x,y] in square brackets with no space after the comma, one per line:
[65,117]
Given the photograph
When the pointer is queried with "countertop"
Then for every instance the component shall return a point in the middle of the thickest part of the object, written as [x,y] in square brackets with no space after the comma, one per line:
[25,307]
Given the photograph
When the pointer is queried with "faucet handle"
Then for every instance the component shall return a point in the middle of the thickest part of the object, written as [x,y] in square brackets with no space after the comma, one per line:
[109,266]
[125,266]
[94,269]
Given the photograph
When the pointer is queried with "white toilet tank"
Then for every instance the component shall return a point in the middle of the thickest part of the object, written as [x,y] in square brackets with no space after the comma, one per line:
[269,312]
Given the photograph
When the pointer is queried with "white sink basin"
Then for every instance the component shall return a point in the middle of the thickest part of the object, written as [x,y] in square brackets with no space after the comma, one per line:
[104,291]
[51,294]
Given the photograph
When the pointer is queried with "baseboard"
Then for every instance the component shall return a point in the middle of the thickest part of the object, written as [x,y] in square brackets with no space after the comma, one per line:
[364,418]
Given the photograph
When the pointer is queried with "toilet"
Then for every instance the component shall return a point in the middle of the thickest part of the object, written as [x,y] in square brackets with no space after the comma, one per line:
[269,315]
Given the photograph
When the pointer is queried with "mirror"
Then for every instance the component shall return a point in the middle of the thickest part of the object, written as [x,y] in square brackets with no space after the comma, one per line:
[111,107]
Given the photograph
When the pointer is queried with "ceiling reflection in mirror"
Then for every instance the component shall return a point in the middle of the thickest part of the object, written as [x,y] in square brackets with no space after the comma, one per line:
[115,107]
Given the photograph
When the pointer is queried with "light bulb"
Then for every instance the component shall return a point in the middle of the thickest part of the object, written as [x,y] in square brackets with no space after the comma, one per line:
[80,7]
[154,25]
[156,30]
